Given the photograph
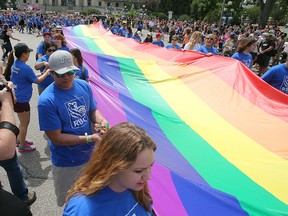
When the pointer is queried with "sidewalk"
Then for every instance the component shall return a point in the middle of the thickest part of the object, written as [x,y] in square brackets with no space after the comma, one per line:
[36,165]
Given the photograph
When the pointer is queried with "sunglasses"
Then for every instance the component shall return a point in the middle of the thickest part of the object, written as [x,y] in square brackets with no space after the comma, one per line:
[210,38]
[69,73]
[51,50]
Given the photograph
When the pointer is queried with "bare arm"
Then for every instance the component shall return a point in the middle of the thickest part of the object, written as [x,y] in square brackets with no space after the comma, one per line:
[63,139]
[39,55]
[39,65]
[43,76]
[10,35]
[7,137]
[266,50]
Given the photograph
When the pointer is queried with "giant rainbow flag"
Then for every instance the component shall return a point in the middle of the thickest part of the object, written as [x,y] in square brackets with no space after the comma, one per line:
[221,132]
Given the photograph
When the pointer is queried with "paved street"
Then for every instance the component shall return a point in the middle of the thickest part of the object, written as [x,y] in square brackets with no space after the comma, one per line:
[36,165]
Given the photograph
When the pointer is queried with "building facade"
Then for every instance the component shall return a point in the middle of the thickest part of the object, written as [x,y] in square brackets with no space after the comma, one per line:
[76,5]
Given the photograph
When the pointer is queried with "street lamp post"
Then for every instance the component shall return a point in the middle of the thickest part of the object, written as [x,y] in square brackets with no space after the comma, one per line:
[142,12]
[8,4]
[110,8]
[222,9]
[125,12]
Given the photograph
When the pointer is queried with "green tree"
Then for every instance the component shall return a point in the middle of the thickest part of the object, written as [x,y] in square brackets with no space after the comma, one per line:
[201,8]
[178,7]
[165,6]
[2,4]
[210,10]
[280,11]
[253,13]
[151,5]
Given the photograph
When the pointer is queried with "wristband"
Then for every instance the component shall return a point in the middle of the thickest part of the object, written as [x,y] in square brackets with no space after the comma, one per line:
[9,126]
[88,138]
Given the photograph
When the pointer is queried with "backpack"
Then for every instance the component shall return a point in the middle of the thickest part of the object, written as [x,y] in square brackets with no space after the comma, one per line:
[43,47]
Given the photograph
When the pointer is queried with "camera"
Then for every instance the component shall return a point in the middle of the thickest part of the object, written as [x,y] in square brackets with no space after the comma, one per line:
[2,85]
[3,82]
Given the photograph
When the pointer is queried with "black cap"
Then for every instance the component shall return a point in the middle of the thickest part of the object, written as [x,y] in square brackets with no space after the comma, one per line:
[21,48]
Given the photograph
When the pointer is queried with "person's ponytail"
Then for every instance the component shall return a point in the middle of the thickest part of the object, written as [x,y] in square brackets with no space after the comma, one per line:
[7,71]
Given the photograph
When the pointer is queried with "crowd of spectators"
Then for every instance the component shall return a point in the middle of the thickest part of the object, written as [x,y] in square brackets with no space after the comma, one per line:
[270,46]
[255,47]
[226,38]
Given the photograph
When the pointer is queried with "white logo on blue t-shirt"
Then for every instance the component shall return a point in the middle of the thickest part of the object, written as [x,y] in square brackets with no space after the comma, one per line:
[77,112]
[247,62]
[284,86]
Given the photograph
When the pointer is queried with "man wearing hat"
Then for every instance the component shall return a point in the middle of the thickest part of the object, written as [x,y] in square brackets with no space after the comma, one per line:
[158,40]
[66,110]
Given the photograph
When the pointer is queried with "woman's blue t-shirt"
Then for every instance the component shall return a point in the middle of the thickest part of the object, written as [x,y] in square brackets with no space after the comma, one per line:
[22,77]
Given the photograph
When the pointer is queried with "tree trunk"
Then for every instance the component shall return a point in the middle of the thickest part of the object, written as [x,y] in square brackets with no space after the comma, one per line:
[266,9]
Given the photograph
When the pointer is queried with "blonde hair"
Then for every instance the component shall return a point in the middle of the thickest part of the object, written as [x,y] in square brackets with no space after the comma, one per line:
[194,39]
[116,152]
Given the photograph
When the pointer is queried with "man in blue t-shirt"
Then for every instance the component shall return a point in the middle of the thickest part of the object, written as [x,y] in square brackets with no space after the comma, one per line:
[114,29]
[277,77]
[123,30]
[158,40]
[66,110]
